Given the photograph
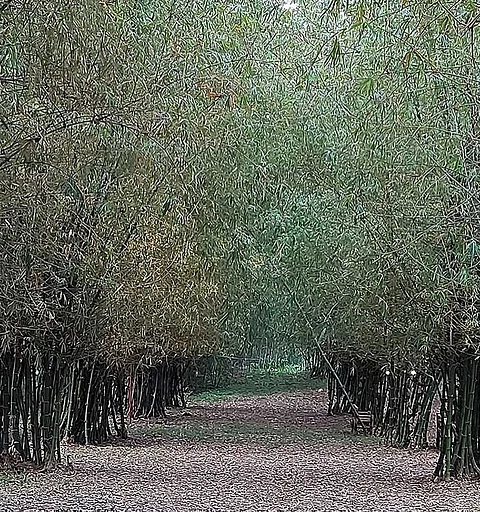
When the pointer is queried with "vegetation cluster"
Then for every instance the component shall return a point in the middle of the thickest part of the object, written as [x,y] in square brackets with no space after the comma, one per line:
[180,180]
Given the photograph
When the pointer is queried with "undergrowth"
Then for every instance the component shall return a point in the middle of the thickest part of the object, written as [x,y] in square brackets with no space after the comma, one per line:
[262,382]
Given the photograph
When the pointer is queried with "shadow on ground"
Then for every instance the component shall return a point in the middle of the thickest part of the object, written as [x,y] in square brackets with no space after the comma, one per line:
[278,452]
[276,419]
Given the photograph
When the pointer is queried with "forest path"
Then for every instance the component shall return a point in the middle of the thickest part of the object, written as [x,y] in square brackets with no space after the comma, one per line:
[278,452]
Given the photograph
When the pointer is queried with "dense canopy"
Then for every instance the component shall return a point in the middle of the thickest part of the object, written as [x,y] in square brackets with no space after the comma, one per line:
[180,180]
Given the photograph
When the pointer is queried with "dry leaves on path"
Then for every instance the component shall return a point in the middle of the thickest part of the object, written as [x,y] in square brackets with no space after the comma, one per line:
[272,453]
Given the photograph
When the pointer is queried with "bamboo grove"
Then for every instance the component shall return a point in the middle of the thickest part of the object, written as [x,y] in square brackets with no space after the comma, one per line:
[183,180]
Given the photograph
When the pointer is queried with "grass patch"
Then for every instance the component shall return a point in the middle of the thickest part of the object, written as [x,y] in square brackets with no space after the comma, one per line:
[6,479]
[261,382]
[253,433]
[10,477]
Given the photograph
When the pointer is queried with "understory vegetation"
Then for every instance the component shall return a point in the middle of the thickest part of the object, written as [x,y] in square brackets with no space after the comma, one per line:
[187,185]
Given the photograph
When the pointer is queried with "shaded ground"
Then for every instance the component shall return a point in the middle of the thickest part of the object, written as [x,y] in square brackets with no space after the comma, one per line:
[278,452]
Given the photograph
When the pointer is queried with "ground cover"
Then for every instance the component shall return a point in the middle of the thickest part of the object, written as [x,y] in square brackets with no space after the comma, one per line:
[275,451]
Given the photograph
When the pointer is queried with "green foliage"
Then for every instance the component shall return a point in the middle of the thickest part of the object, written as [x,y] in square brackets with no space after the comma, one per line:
[261,382]
[185,179]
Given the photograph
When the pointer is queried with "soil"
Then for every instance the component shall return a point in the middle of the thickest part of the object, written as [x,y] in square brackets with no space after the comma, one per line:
[269,453]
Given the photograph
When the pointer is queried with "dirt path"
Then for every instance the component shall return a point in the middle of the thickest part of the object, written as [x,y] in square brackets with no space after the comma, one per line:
[274,453]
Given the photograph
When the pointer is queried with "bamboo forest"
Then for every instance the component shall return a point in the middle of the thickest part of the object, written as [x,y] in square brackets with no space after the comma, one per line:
[240,255]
